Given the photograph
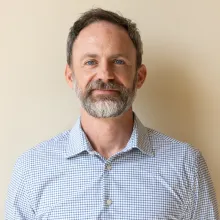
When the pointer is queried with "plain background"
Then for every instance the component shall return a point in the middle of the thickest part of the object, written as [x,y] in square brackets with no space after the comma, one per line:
[180,98]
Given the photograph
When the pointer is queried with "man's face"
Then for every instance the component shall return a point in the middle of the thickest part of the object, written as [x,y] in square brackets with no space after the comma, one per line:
[104,69]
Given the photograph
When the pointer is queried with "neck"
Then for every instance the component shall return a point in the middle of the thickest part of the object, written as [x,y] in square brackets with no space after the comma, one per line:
[108,135]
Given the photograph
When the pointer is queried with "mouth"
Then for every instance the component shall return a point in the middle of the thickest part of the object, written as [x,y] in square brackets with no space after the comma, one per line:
[105,92]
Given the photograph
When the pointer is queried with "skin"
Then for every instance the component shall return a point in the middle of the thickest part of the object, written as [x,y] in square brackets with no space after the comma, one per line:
[104,51]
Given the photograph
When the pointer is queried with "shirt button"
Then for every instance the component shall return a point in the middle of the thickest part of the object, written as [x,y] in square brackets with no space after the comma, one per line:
[92,152]
[108,166]
[108,202]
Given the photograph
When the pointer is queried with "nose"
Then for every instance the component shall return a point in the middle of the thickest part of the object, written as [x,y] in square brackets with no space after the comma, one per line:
[105,72]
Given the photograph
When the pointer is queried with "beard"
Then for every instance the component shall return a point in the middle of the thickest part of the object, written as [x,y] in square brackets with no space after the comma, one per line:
[106,105]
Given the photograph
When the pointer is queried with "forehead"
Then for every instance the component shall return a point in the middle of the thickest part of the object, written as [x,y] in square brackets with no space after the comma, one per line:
[104,37]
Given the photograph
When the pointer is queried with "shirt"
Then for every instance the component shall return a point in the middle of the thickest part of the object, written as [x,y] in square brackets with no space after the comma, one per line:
[154,177]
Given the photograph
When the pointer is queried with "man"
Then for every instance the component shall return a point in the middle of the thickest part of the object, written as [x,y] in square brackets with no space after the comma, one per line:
[109,166]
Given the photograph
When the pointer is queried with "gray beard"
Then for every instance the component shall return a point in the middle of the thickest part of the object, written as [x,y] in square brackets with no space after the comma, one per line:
[106,106]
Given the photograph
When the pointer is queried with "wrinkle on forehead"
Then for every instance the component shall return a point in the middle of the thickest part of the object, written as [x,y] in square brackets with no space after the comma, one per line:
[95,28]
[104,36]
[94,36]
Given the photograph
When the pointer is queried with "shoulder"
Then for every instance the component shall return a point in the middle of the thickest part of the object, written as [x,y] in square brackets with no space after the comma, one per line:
[178,159]
[171,149]
[51,149]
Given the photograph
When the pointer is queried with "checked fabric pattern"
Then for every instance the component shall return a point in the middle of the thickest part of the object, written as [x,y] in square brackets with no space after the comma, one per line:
[154,177]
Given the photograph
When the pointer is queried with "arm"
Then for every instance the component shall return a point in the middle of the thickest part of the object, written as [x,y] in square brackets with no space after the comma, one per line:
[18,202]
[204,203]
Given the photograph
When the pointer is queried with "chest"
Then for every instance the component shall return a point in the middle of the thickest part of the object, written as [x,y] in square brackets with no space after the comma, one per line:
[93,189]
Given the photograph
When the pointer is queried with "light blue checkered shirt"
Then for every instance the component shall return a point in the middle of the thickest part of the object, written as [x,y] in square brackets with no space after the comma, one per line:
[154,177]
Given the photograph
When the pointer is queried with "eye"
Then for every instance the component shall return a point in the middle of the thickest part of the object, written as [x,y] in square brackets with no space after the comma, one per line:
[119,62]
[91,62]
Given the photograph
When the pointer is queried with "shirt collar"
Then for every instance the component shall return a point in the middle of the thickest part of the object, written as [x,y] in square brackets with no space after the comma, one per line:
[78,142]
[139,138]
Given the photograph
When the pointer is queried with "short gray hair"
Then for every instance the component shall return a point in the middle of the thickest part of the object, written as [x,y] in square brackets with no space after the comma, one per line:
[100,14]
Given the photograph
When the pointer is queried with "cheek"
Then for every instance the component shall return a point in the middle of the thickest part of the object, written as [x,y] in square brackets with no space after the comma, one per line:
[127,78]
[83,79]
[82,75]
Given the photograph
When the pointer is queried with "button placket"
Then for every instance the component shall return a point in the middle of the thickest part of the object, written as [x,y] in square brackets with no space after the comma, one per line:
[108,202]
[107,185]
[108,166]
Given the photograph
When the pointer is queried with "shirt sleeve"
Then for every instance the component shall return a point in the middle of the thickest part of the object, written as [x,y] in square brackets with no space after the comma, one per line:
[204,204]
[18,202]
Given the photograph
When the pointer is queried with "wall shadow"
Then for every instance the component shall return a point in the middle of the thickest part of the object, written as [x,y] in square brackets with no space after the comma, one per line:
[166,101]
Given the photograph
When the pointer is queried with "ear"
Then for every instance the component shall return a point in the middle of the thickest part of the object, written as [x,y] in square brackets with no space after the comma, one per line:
[69,76]
[141,74]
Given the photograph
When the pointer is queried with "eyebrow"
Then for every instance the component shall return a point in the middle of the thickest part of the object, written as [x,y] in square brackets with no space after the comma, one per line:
[92,55]
[119,55]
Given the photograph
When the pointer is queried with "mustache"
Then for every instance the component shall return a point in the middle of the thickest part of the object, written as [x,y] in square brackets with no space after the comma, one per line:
[99,84]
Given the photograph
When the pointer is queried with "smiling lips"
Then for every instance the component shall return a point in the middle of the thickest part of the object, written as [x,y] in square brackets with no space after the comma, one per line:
[100,91]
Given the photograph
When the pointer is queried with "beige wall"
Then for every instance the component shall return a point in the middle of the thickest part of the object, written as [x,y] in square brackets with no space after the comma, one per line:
[180,98]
